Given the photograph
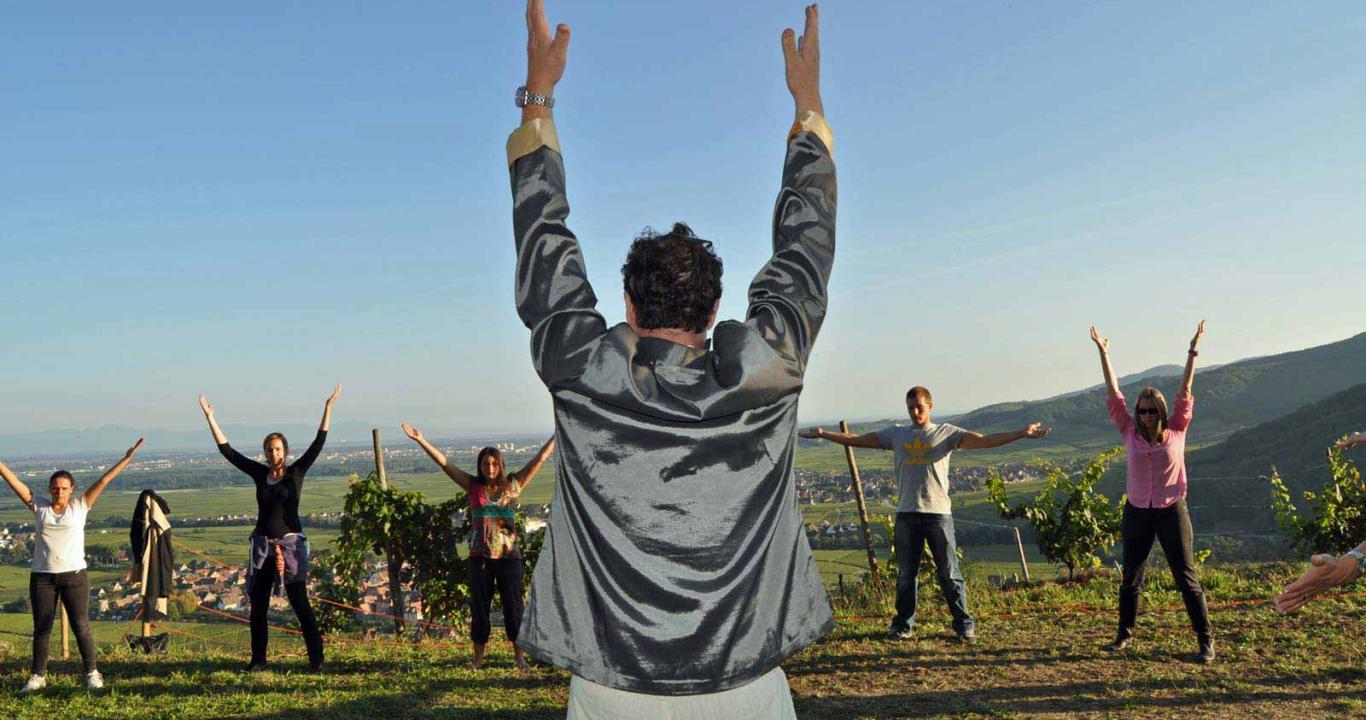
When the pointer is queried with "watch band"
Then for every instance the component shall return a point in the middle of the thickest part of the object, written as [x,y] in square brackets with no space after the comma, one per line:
[1361,560]
[526,97]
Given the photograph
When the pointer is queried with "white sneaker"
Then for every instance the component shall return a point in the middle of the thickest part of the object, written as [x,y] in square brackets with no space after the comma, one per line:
[35,682]
[94,680]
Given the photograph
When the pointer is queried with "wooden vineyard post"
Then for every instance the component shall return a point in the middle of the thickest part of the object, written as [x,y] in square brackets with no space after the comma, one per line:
[66,635]
[395,562]
[1019,544]
[862,507]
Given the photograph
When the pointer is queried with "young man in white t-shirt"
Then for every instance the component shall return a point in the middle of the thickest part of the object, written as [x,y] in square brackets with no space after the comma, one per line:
[923,513]
[58,571]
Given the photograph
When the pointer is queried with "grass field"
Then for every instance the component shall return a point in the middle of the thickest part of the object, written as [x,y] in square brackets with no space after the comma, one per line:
[1038,657]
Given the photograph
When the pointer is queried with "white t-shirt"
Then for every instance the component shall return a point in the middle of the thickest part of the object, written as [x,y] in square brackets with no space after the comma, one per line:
[59,543]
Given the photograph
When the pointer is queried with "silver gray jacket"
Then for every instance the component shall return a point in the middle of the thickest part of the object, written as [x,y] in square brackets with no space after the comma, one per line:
[675,562]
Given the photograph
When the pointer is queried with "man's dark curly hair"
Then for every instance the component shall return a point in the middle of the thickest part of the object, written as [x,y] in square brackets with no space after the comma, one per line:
[674,279]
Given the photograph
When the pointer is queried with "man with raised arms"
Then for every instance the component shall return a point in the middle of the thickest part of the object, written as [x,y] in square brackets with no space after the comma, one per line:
[675,575]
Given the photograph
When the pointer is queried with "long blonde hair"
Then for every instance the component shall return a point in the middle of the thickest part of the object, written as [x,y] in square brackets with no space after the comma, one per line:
[1159,402]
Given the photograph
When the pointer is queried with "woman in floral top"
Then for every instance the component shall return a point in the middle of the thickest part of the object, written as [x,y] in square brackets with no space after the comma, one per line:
[495,558]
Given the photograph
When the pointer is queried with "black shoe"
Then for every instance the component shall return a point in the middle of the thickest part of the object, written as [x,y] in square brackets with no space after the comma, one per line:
[968,638]
[315,667]
[257,666]
[900,634]
[1206,650]
[1119,645]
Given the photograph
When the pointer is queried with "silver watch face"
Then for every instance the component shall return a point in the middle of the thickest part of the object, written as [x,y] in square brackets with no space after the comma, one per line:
[520,98]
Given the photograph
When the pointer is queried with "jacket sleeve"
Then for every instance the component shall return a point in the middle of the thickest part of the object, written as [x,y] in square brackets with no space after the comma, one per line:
[310,455]
[554,298]
[242,462]
[787,300]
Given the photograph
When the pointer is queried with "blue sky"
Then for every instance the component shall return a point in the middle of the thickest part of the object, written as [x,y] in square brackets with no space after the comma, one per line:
[258,201]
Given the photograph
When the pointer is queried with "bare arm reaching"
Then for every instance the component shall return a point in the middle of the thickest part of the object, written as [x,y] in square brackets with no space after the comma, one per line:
[1189,377]
[17,485]
[525,475]
[1103,344]
[1325,572]
[977,441]
[866,440]
[238,460]
[461,478]
[93,492]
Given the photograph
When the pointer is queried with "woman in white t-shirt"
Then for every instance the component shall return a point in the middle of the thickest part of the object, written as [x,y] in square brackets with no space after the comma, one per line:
[58,571]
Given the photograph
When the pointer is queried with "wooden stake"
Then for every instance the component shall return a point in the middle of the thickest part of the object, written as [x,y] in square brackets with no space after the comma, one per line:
[395,562]
[857,484]
[1020,545]
[66,635]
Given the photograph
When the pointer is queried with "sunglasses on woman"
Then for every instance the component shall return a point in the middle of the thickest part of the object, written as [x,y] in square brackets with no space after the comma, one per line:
[1146,411]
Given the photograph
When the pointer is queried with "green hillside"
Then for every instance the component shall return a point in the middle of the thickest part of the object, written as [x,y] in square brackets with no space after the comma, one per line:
[1228,481]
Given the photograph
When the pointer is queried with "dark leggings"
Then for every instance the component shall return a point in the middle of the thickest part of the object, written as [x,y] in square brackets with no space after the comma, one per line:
[1171,526]
[506,574]
[73,588]
[297,592]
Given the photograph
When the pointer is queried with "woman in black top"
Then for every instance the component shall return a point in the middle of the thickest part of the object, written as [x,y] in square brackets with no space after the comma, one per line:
[279,549]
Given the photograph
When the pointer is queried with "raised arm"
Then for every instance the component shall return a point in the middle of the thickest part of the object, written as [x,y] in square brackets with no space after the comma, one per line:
[977,441]
[238,460]
[315,448]
[554,298]
[93,492]
[1103,345]
[866,440]
[528,471]
[326,423]
[17,485]
[788,298]
[1191,354]
[461,478]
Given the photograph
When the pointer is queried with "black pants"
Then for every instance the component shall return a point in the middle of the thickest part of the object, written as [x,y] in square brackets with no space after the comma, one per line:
[506,574]
[73,589]
[297,592]
[1171,526]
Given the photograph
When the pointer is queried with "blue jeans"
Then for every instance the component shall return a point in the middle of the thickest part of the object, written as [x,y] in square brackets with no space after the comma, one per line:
[913,530]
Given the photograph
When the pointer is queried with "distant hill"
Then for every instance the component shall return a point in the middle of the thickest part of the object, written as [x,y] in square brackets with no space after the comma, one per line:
[1228,487]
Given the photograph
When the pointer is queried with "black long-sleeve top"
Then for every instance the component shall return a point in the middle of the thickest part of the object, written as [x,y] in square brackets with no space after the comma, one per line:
[277,504]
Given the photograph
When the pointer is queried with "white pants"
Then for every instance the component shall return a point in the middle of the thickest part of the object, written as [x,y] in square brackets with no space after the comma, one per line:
[766,698]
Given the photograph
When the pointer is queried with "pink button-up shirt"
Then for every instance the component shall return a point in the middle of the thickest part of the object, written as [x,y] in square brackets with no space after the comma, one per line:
[1157,472]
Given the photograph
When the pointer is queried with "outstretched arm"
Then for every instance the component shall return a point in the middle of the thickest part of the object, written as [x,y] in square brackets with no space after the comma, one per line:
[1191,354]
[461,478]
[528,472]
[977,441]
[1325,572]
[1352,441]
[17,485]
[326,423]
[315,448]
[866,440]
[93,492]
[1103,345]
[218,437]
[554,298]
[788,298]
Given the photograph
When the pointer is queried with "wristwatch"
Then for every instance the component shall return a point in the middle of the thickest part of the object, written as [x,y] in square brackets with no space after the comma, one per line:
[526,97]
[1361,561]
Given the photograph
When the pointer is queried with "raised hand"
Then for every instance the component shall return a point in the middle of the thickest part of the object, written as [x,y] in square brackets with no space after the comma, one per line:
[1034,431]
[411,432]
[1325,571]
[545,54]
[1198,332]
[331,400]
[802,58]
[1102,343]
[811,434]
[1348,443]
[133,449]
[205,406]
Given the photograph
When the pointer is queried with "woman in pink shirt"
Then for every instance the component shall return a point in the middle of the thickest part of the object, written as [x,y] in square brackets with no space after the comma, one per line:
[1155,442]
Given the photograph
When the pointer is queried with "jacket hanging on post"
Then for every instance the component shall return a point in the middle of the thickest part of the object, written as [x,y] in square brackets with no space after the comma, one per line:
[153,558]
